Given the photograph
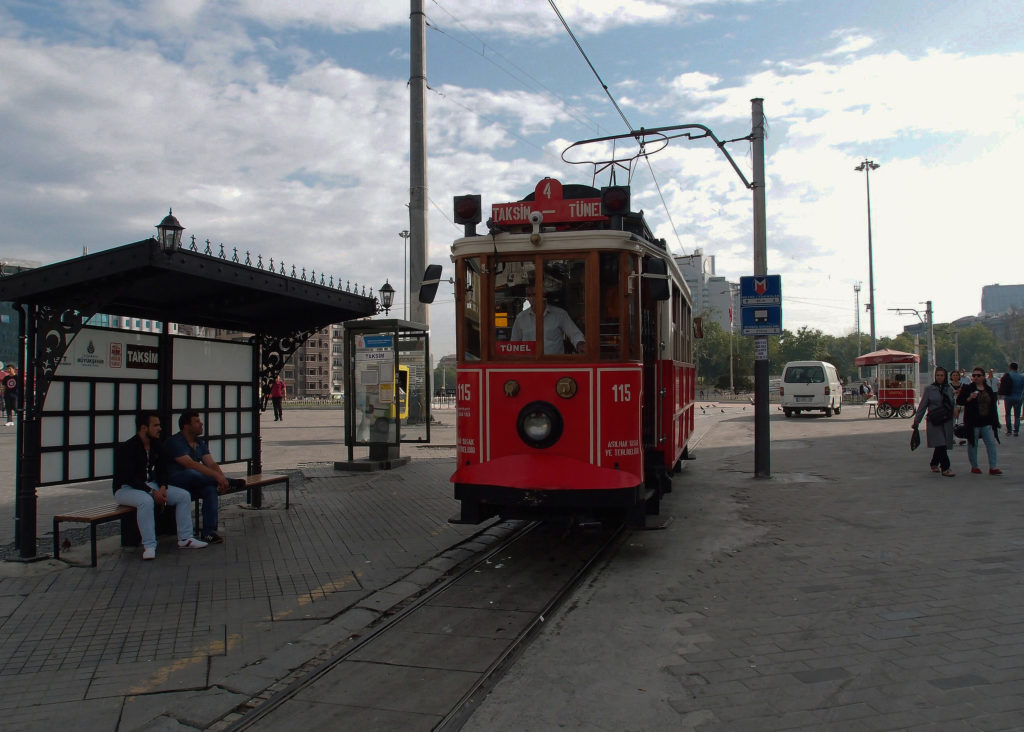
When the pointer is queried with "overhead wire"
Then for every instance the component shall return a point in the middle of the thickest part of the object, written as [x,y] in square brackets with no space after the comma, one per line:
[629,127]
[578,115]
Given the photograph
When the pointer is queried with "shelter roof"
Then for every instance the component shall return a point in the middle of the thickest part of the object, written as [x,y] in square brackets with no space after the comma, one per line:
[141,280]
[886,355]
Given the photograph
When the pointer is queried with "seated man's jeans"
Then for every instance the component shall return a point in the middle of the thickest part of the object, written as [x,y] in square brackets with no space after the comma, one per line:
[143,503]
[205,488]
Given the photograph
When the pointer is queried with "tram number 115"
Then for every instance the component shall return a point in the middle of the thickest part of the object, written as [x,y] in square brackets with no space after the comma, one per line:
[620,393]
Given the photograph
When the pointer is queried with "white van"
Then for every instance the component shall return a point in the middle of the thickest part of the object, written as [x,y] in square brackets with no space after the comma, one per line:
[808,385]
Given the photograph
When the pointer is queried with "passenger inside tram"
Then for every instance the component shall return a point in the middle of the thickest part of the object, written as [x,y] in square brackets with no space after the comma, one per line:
[559,329]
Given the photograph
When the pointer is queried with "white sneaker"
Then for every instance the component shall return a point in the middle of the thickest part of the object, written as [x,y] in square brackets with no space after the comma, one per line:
[191,543]
[11,424]
[149,552]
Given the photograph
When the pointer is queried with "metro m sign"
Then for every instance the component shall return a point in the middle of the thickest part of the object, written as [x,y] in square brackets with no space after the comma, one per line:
[547,198]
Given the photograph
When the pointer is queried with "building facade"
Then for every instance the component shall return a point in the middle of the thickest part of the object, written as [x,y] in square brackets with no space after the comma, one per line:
[998,299]
[714,297]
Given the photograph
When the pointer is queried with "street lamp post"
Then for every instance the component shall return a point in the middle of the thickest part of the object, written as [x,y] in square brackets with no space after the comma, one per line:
[867,166]
[404,233]
[732,316]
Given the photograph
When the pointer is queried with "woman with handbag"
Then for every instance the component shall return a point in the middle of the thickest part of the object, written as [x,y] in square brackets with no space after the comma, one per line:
[938,402]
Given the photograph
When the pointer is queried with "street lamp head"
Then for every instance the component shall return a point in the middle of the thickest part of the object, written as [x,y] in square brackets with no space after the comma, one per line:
[387,296]
[867,164]
[169,232]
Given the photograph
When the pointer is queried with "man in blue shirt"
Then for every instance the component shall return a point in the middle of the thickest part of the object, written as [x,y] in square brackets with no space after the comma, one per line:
[190,465]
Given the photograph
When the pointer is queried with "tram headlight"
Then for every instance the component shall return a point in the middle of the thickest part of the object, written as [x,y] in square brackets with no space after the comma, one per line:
[539,425]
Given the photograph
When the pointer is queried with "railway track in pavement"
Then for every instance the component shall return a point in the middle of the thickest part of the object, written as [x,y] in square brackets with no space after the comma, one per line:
[429,665]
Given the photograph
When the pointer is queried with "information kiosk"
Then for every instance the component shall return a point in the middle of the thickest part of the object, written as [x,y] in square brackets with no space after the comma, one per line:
[387,390]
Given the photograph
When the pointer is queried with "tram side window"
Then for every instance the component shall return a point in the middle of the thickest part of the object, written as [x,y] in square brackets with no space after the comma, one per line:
[558,291]
[611,307]
[471,310]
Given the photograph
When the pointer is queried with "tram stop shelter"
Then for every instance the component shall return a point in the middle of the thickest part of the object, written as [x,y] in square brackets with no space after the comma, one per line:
[83,383]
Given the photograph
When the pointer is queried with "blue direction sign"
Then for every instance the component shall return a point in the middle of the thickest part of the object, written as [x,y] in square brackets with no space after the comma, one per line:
[761,305]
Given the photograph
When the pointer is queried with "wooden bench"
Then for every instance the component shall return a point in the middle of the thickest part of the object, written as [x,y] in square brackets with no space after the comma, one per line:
[253,488]
[97,515]
[94,517]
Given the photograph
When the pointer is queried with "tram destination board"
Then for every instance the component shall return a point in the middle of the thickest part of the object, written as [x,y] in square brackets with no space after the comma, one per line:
[761,305]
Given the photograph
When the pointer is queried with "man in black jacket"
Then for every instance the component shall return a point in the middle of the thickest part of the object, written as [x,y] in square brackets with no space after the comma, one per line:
[140,481]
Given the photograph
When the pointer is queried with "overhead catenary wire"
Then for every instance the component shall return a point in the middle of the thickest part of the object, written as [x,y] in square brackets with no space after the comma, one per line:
[629,127]
[571,110]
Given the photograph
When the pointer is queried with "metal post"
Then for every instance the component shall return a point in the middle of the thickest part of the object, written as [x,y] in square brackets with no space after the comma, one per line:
[404,233]
[762,429]
[867,166]
[931,336]
[417,159]
[856,312]
[956,349]
[29,437]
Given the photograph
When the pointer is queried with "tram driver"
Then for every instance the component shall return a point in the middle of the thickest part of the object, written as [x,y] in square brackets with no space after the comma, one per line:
[558,325]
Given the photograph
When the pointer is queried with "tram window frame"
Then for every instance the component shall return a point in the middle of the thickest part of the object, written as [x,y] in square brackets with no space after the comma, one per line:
[469,297]
[584,318]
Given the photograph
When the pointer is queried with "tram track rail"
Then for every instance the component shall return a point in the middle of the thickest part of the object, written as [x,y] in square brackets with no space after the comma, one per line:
[429,664]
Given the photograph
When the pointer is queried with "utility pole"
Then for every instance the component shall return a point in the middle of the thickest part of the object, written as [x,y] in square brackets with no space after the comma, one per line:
[856,313]
[867,166]
[931,335]
[762,429]
[417,160]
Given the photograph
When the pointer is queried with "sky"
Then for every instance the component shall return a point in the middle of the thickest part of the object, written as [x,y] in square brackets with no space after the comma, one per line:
[281,128]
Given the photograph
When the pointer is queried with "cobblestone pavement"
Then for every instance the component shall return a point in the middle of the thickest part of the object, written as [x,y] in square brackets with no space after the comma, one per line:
[854,590]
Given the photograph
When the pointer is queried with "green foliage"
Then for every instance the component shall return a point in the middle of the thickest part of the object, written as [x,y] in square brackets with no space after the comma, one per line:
[978,346]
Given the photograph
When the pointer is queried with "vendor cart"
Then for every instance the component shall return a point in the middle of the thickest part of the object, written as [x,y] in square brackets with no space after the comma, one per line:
[897,376]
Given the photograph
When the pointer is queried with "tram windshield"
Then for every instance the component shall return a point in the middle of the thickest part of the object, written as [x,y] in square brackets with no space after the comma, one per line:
[540,310]
[540,306]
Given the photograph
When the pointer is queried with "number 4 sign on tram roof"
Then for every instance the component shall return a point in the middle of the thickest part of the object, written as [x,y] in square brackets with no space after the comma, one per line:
[547,198]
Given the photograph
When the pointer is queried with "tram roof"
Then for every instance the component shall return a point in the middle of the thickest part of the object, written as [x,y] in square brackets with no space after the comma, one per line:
[140,280]
[557,241]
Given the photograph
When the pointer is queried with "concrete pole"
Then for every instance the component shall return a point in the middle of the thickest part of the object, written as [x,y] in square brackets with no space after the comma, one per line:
[856,311]
[417,161]
[762,429]
[931,336]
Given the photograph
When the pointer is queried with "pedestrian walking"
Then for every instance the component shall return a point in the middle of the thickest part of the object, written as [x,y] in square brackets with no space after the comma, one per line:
[939,404]
[277,393]
[12,393]
[981,417]
[1011,388]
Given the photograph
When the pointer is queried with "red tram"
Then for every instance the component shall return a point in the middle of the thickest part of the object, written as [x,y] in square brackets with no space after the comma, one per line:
[575,380]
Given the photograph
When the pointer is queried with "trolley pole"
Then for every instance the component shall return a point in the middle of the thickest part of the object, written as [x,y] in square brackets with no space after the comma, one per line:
[762,429]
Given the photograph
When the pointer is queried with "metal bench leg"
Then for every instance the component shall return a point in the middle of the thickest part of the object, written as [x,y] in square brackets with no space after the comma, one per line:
[56,539]
[92,538]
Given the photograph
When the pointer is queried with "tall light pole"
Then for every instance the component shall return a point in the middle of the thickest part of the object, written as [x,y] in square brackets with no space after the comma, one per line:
[404,233]
[856,313]
[867,166]
[732,316]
